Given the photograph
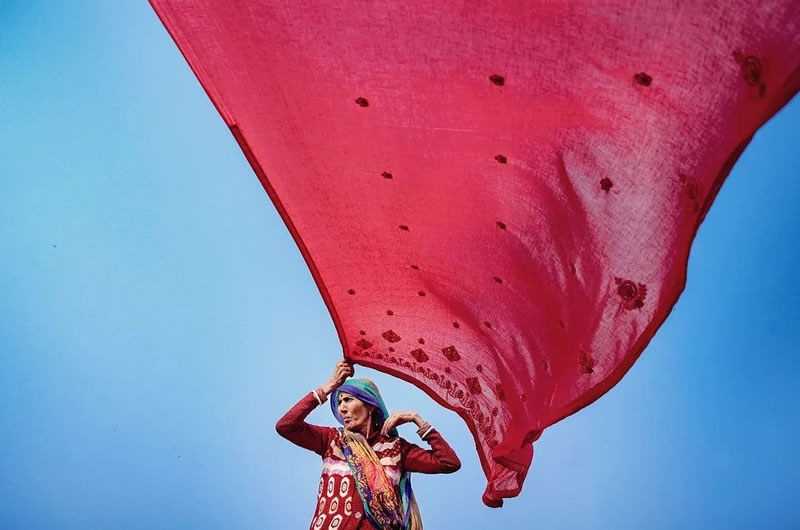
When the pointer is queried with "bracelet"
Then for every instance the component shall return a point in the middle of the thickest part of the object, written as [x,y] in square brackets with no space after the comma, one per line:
[424,430]
[320,395]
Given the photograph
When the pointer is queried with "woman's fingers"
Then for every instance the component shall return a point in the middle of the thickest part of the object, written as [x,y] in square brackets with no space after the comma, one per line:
[337,368]
[342,371]
[389,424]
[343,366]
[397,418]
[386,425]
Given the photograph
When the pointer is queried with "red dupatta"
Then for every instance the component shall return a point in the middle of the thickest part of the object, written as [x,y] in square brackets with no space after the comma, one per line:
[496,200]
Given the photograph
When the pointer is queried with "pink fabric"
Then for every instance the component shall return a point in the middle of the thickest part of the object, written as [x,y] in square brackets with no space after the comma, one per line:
[496,199]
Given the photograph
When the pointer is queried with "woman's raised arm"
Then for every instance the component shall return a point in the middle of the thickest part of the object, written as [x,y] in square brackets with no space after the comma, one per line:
[440,458]
[293,426]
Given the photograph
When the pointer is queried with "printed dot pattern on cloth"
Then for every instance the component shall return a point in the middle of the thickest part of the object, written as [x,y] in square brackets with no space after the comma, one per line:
[531,199]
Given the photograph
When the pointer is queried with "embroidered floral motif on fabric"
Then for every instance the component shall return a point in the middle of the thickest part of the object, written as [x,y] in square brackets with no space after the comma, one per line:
[587,362]
[632,294]
[482,420]
[451,353]
[752,70]
[498,80]
[692,189]
[419,355]
[643,79]
[474,385]
[391,336]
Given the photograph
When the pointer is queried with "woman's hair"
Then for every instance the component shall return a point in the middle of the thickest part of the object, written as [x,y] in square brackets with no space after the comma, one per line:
[375,412]
[375,416]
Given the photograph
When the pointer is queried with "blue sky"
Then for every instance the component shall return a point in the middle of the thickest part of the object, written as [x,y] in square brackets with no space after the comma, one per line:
[157,319]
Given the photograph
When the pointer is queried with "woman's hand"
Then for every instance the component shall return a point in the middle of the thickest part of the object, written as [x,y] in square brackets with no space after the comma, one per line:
[341,371]
[399,418]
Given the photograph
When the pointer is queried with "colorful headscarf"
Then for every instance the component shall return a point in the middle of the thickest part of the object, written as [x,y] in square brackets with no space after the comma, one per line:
[384,510]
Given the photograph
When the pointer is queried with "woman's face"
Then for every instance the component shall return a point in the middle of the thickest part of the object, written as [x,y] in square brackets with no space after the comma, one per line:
[354,412]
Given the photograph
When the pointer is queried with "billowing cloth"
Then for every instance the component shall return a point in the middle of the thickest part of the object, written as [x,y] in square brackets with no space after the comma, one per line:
[496,199]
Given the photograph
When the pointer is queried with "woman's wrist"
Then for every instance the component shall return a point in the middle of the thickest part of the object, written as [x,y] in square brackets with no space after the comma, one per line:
[419,421]
[424,429]
[320,395]
[324,390]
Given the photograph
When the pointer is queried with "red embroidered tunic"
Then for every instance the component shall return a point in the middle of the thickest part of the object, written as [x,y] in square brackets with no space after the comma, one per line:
[339,506]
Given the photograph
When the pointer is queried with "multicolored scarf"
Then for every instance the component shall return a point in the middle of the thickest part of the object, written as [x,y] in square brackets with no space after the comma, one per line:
[384,510]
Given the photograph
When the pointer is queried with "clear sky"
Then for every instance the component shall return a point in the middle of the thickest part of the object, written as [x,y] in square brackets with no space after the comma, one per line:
[156,319]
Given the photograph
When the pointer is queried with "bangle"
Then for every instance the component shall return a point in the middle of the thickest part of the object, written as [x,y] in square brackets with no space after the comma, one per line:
[320,395]
[424,430]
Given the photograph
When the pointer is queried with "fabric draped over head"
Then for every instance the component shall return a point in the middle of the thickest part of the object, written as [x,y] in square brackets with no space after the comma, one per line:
[496,201]
[366,391]
[377,493]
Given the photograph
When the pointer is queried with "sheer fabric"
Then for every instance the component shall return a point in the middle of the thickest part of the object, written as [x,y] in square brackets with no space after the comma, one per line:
[496,199]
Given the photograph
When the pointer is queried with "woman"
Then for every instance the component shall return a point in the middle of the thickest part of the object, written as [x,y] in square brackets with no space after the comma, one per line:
[365,480]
